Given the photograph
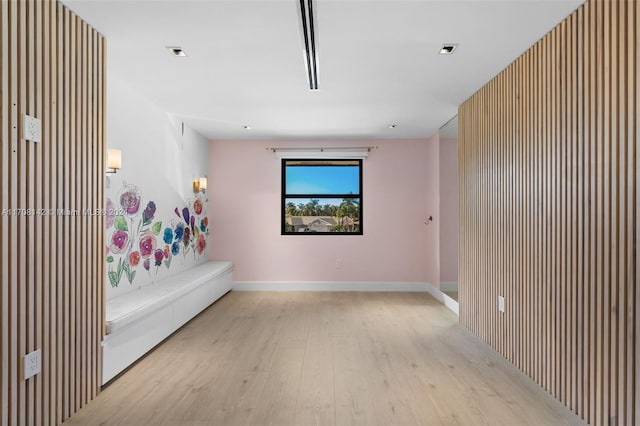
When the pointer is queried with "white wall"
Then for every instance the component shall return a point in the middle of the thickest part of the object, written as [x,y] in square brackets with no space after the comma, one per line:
[162,163]
[448,210]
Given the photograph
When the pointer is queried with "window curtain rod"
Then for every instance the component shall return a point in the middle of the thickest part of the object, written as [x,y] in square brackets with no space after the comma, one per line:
[324,149]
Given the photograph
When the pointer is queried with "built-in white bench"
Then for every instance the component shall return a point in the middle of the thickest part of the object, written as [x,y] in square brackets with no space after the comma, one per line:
[139,320]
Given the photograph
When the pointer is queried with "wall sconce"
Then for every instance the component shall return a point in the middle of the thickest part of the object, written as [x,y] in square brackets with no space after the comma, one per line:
[200,185]
[203,184]
[114,161]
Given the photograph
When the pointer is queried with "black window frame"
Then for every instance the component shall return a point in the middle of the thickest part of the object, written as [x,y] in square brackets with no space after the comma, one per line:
[284,196]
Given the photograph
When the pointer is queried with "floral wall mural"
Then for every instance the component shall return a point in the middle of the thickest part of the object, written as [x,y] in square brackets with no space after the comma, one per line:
[139,241]
[156,227]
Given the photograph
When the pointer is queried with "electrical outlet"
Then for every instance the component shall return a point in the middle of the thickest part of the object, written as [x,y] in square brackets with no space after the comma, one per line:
[32,129]
[338,263]
[501,303]
[32,363]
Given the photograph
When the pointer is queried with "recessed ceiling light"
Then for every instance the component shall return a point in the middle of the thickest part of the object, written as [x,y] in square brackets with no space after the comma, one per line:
[393,126]
[246,127]
[176,51]
[448,48]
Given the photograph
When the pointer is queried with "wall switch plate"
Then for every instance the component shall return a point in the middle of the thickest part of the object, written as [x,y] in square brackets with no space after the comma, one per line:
[32,129]
[338,263]
[32,364]
[501,303]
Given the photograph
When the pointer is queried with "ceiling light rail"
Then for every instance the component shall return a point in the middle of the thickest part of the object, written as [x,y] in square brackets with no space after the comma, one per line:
[309,33]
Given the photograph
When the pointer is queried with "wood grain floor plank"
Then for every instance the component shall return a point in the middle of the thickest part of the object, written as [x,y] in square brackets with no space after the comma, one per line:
[324,359]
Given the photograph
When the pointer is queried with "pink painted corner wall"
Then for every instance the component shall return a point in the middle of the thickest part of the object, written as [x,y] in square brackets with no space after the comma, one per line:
[400,190]
[449,210]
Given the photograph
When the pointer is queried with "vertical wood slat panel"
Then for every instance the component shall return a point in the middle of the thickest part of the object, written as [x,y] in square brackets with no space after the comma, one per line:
[87,233]
[579,103]
[65,201]
[622,259]
[634,190]
[58,161]
[634,280]
[11,373]
[69,221]
[28,173]
[572,216]
[45,29]
[51,296]
[5,133]
[38,260]
[21,242]
[61,368]
[555,228]
[591,31]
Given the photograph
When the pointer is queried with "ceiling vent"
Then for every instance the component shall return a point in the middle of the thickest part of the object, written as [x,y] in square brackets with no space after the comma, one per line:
[309,32]
[448,48]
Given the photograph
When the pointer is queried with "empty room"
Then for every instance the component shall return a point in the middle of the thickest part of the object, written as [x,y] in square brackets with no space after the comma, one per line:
[319,212]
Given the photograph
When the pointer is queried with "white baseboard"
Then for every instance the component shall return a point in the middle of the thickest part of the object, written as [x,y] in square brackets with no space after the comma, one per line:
[449,286]
[347,286]
[329,286]
[444,299]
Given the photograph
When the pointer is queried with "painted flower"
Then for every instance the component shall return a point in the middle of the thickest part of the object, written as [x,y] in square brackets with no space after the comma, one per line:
[185,214]
[179,232]
[158,255]
[187,236]
[110,213]
[175,248]
[203,227]
[193,222]
[130,199]
[147,244]
[149,212]
[197,206]
[134,258]
[168,235]
[146,264]
[119,241]
[206,221]
[167,252]
[201,244]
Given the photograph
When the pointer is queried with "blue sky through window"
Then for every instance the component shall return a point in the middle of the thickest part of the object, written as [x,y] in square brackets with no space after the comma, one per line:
[323,180]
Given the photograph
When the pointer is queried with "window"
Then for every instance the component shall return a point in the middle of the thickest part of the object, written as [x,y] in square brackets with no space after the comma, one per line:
[321,197]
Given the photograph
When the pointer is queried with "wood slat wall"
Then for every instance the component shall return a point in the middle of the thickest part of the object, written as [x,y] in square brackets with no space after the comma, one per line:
[548,156]
[52,262]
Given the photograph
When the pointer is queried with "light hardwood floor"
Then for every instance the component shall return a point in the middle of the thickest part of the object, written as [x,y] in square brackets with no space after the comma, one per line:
[262,358]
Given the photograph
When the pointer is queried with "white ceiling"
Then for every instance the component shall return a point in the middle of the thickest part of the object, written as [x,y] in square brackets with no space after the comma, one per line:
[378,60]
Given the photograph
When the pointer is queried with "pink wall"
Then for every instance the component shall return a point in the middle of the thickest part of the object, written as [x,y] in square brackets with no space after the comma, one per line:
[400,190]
[449,210]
